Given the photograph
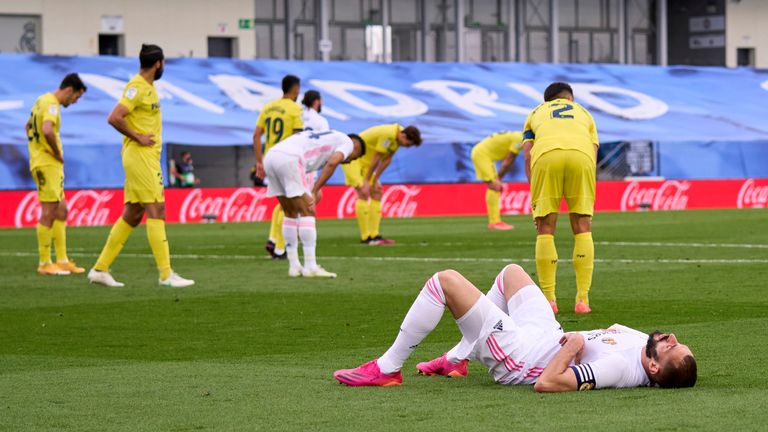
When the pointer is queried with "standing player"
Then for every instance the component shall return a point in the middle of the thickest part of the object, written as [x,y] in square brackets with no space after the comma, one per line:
[46,163]
[513,332]
[501,146]
[310,115]
[137,116]
[278,119]
[560,146]
[363,174]
[286,166]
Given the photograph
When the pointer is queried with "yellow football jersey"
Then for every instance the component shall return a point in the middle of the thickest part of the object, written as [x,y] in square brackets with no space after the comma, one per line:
[500,144]
[143,117]
[380,139]
[46,108]
[280,119]
[560,124]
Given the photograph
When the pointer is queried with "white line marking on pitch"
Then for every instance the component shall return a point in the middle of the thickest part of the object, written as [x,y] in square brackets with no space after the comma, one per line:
[423,259]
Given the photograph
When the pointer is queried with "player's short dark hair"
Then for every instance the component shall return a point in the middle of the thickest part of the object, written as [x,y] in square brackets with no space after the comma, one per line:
[184,153]
[289,81]
[149,55]
[73,80]
[413,135]
[553,90]
[678,375]
[310,97]
[362,142]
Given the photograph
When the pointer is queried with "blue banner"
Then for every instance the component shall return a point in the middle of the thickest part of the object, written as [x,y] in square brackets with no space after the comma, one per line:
[216,102]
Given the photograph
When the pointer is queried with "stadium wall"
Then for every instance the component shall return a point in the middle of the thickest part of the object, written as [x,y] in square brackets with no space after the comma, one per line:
[103,207]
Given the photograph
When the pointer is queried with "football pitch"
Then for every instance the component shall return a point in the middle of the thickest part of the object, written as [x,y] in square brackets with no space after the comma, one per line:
[248,348]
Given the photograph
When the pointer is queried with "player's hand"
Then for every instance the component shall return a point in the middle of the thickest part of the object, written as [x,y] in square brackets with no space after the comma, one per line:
[365,189]
[496,186]
[318,194]
[146,139]
[573,338]
[259,170]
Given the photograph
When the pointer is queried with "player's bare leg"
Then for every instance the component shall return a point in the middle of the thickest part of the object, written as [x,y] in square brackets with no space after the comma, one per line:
[300,225]
[583,259]
[546,257]
[508,282]
[44,238]
[445,288]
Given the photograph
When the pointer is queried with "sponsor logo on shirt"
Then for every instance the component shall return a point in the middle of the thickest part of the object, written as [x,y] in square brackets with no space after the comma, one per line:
[609,341]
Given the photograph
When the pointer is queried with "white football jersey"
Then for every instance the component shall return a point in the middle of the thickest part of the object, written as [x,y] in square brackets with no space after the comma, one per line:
[611,358]
[315,148]
[313,120]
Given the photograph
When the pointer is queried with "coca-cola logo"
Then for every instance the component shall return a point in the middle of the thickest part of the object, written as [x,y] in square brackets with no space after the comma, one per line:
[752,195]
[515,201]
[396,201]
[242,205]
[668,195]
[86,208]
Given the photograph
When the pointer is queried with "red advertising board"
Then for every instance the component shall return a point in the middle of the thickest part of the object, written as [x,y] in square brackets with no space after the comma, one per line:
[103,206]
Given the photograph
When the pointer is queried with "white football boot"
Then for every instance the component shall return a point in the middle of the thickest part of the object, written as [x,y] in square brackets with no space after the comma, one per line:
[295,272]
[103,278]
[176,281]
[317,272]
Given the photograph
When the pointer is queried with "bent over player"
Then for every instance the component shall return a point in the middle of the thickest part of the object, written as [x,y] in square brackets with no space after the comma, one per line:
[137,116]
[364,174]
[286,166]
[560,146]
[513,332]
[504,147]
[46,163]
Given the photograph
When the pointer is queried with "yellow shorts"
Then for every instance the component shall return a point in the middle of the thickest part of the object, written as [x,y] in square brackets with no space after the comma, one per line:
[50,183]
[354,173]
[559,173]
[485,168]
[143,183]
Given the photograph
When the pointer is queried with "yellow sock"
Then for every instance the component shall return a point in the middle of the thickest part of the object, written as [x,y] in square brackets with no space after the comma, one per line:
[494,207]
[44,234]
[583,264]
[60,240]
[273,226]
[159,244]
[117,238]
[279,239]
[546,264]
[374,217]
[361,212]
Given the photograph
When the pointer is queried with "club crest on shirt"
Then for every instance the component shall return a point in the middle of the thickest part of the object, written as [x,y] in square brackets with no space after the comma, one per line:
[131,93]
[608,340]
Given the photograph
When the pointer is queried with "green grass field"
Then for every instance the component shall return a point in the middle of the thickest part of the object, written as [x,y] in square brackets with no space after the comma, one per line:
[247,348]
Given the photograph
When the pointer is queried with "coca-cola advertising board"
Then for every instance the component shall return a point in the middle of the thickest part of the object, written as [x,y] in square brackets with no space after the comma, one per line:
[104,206]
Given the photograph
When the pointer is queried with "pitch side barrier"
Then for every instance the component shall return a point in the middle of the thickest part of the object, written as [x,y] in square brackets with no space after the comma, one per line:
[92,207]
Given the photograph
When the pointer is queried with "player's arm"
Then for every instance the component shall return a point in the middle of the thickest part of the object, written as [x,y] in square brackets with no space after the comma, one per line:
[527,156]
[506,164]
[50,138]
[330,166]
[257,150]
[386,160]
[116,119]
[298,123]
[558,376]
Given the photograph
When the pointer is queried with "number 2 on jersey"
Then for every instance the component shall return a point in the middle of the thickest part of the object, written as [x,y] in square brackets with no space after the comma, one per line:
[274,128]
[558,113]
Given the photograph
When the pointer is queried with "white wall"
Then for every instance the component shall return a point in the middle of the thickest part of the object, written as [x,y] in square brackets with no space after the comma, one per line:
[746,26]
[180,27]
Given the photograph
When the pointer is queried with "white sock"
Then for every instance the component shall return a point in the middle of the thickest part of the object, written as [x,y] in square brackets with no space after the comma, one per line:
[308,236]
[291,235]
[421,319]
[496,295]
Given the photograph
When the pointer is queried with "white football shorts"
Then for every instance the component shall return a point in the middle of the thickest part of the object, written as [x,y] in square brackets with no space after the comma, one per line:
[286,175]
